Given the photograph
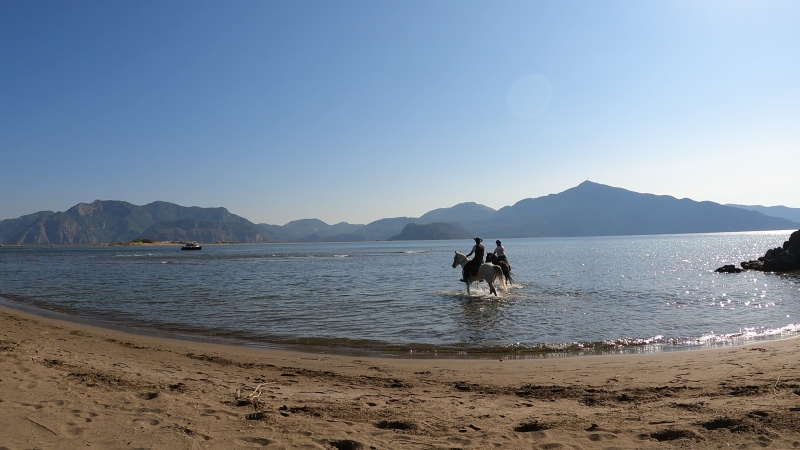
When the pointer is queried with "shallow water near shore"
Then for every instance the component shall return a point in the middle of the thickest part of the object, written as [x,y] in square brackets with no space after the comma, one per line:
[571,296]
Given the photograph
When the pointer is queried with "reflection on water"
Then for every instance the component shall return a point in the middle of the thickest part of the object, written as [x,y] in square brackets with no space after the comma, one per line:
[584,295]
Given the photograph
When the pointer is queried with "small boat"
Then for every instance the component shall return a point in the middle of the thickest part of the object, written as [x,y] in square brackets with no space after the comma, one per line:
[191,246]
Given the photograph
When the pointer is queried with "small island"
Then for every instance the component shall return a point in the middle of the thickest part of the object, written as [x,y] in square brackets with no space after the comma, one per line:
[432,231]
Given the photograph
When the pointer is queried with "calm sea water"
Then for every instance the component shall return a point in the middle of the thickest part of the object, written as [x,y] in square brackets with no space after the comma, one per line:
[599,294]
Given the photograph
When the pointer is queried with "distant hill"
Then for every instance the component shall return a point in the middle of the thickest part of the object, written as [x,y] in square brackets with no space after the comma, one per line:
[463,213]
[111,221]
[315,230]
[105,221]
[12,230]
[432,231]
[592,209]
[589,209]
[783,212]
[379,230]
[204,231]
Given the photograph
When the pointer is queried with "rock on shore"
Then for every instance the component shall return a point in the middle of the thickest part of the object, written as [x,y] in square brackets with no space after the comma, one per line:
[778,259]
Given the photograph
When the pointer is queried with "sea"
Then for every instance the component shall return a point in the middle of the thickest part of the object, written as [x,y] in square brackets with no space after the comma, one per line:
[403,299]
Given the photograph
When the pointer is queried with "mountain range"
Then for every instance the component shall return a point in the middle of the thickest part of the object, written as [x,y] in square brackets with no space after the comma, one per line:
[792,214]
[589,209]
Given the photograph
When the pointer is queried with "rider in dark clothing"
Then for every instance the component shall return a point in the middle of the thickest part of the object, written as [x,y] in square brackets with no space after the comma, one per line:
[471,268]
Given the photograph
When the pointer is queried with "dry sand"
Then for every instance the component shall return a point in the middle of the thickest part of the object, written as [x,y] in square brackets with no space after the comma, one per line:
[65,385]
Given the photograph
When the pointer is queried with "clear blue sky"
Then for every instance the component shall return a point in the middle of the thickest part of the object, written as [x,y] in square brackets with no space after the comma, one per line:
[359,110]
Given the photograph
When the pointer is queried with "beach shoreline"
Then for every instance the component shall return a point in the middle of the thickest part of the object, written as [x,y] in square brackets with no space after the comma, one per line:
[412,352]
[72,385]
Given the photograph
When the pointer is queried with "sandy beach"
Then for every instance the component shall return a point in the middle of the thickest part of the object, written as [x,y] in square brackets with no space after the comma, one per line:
[65,385]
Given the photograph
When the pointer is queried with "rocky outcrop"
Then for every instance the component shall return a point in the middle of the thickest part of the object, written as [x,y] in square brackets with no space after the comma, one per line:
[729,268]
[779,259]
[432,231]
[56,229]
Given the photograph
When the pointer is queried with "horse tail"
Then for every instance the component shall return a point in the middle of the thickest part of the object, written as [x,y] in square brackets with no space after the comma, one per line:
[509,278]
[498,274]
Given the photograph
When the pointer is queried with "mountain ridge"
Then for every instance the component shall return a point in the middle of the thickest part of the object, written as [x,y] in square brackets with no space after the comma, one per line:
[588,209]
[592,209]
[784,212]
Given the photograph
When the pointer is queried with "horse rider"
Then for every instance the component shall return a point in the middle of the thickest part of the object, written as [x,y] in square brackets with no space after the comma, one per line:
[499,252]
[471,267]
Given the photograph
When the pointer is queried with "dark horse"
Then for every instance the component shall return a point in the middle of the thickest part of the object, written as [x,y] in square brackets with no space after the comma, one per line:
[504,265]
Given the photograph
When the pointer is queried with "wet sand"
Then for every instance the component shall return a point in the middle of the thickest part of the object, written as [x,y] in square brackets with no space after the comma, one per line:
[67,386]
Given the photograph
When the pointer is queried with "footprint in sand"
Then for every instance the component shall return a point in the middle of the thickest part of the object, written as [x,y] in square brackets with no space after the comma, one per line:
[72,429]
[210,412]
[146,422]
[396,425]
[252,442]
[148,395]
[597,437]
[28,405]
[347,444]
[85,416]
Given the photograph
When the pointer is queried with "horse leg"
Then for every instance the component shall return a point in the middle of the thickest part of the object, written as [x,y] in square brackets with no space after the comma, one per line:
[491,288]
[498,275]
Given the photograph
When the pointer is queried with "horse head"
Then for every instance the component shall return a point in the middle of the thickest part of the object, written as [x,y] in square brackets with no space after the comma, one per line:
[458,259]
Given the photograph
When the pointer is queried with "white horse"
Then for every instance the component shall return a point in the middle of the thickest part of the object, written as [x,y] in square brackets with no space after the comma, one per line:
[487,272]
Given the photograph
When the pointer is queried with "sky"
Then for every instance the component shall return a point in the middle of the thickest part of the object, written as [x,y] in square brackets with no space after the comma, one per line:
[353,111]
